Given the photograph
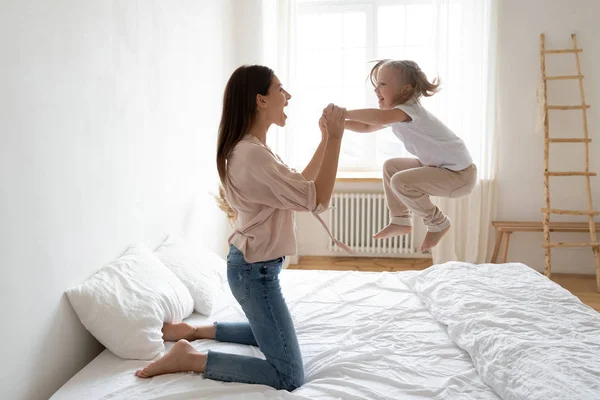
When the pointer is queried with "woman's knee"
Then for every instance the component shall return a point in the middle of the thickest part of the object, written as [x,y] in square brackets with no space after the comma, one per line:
[294,381]
[291,375]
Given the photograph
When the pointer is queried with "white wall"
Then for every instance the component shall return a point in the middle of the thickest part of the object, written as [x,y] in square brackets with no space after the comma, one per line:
[108,119]
[248,31]
[520,192]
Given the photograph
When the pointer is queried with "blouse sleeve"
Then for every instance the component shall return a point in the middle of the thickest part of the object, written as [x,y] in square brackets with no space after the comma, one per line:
[261,178]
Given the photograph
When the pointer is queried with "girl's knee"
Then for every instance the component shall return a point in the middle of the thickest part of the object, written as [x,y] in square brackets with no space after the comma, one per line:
[388,166]
[398,182]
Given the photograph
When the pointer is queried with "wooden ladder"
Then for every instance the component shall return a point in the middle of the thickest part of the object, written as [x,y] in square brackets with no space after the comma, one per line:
[590,212]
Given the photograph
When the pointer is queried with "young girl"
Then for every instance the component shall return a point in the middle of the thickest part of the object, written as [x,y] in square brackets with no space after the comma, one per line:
[443,166]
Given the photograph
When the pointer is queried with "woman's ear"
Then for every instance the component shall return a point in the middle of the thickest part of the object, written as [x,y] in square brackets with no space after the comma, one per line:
[260,101]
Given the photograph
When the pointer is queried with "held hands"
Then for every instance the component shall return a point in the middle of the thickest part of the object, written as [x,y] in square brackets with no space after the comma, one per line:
[332,122]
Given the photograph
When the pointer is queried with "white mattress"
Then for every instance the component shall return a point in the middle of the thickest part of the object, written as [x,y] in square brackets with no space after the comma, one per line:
[362,335]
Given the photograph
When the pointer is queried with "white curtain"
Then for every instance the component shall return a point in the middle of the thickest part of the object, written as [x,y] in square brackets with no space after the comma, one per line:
[263,33]
[279,29]
[466,61]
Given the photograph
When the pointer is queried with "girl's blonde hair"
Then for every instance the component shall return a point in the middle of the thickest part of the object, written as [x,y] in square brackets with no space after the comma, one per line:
[412,75]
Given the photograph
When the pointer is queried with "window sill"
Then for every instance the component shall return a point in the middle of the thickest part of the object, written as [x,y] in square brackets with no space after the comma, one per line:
[359,176]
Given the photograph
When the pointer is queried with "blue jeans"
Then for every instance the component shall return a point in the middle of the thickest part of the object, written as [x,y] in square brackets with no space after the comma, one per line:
[256,287]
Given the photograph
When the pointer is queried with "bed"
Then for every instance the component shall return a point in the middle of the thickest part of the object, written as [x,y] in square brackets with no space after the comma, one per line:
[453,331]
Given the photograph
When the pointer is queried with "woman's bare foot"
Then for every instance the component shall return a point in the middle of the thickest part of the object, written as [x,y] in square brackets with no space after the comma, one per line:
[175,332]
[181,358]
[432,239]
[393,230]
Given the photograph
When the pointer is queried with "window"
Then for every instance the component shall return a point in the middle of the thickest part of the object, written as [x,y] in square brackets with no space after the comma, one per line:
[334,44]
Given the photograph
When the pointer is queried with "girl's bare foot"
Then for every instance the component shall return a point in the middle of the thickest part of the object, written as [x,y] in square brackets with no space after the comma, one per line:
[181,358]
[432,239]
[393,230]
[175,332]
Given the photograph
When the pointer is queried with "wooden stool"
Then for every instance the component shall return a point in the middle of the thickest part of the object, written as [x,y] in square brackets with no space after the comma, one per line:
[505,228]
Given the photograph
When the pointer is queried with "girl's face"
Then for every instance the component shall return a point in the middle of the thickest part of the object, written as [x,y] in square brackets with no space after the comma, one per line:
[389,87]
[274,102]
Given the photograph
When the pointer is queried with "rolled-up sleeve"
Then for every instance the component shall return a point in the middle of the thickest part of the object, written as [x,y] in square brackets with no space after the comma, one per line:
[262,179]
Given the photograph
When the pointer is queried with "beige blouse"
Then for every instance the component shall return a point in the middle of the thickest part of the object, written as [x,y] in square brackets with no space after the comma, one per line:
[265,193]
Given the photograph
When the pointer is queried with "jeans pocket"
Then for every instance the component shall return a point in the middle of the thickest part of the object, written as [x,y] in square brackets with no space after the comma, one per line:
[269,270]
[239,281]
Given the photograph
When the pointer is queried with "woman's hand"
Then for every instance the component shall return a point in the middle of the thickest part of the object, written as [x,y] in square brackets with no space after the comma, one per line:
[323,127]
[332,124]
[336,118]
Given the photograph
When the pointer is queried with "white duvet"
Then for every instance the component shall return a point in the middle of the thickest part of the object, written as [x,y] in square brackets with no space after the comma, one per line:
[444,333]
[362,336]
[528,337]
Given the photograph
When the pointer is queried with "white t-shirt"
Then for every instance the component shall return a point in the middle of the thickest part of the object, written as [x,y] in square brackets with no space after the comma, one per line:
[432,142]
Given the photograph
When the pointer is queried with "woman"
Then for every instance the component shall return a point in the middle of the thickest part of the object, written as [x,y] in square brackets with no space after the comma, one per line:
[263,193]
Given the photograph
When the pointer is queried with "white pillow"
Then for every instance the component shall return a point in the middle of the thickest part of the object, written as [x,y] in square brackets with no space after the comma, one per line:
[211,260]
[196,268]
[216,263]
[125,304]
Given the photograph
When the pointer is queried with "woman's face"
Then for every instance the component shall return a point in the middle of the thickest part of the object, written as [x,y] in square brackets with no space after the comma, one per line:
[274,103]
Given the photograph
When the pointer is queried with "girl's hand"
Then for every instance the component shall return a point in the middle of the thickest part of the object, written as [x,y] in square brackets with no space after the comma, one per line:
[329,109]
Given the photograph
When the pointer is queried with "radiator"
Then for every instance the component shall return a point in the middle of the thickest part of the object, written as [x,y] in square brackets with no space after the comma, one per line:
[355,217]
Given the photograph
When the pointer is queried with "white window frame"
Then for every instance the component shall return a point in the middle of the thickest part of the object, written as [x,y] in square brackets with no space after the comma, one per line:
[370,8]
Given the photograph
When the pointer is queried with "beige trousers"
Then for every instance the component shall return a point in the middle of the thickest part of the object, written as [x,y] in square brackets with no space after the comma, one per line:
[408,185]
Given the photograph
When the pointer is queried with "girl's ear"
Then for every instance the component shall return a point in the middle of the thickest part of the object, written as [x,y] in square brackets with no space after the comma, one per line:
[407,88]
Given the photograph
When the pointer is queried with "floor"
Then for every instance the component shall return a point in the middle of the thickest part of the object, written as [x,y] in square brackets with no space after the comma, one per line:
[582,286]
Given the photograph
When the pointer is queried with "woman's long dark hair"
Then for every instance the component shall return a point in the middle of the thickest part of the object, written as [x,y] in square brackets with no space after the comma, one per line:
[239,112]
